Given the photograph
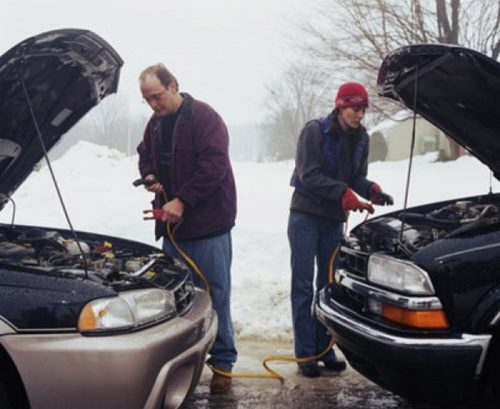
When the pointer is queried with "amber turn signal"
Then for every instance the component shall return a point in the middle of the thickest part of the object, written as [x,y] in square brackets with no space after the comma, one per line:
[429,319]
[87,319]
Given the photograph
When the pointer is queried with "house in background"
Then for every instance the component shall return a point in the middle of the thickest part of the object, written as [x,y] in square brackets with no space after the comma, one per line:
[390,140]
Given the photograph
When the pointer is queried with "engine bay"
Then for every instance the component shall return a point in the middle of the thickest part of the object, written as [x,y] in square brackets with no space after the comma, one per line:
[404,234]
[110,259]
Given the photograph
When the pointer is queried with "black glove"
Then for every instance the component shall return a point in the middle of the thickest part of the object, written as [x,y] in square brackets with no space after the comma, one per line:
[378,197]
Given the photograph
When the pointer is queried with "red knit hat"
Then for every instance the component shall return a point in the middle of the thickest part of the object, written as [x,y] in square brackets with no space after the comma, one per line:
[351,94]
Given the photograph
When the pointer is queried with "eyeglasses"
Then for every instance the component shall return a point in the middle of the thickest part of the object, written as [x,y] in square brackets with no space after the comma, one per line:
[154,98]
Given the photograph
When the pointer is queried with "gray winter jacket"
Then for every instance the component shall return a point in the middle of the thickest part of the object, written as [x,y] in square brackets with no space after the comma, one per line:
[310,168]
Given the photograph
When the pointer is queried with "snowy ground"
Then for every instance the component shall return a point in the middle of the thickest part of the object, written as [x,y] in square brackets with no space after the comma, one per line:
[97,187]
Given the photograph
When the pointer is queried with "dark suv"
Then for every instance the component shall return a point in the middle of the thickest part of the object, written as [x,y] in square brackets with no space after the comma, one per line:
[415,304]
[86,320]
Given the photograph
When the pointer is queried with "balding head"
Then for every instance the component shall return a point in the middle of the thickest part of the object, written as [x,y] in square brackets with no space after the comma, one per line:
[162,73]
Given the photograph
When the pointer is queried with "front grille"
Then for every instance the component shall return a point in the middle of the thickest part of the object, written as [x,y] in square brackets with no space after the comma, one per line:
[184,295]
[354,261]
[349,299]
[355,264]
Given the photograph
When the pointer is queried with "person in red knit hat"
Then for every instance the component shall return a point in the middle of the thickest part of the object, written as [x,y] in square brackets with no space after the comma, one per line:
[331,164]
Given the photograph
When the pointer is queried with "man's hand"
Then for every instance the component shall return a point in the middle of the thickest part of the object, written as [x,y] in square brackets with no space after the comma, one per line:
[378,197]
[152,214]
[155,187]
[351,202]
[173,211]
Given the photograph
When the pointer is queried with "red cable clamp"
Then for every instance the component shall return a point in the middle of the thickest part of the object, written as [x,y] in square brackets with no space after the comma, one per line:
[156,214]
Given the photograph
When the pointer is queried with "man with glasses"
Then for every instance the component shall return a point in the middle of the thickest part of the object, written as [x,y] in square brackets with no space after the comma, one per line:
[184,153]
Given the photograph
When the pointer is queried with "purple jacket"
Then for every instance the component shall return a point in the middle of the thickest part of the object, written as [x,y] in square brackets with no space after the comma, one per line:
[201,173]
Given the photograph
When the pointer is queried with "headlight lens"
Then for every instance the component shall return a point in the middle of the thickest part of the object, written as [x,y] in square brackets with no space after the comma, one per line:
[127,310]
[399,275]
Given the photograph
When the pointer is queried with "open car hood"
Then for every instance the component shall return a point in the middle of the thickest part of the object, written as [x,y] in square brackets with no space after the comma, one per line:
[458,90]
[64,74]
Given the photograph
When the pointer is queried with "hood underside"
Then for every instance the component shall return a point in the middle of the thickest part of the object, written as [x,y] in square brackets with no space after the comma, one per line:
[455,88]
[55,77]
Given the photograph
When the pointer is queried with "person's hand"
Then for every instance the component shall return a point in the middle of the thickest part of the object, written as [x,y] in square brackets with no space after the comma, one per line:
[173,211]
[351,202]
[378,197]
[152,214]
[155,187]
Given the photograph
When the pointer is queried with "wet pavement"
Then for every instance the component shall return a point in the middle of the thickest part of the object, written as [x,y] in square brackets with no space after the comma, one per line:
[344,390]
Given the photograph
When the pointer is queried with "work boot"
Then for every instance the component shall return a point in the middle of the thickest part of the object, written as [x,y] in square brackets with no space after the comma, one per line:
[309,369]
[220,383]
[333,363]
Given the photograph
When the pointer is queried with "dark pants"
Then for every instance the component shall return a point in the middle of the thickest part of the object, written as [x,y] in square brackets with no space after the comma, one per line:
[213,256]
[312,240]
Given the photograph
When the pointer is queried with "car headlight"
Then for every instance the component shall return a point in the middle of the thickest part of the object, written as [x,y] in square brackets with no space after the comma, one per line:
[399,275]
[127,310]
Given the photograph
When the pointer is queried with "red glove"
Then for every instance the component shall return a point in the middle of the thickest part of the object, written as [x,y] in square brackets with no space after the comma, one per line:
[378,197]
[351,202]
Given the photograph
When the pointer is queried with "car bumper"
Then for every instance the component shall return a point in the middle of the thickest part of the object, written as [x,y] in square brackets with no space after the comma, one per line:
[421,369]
[152,368]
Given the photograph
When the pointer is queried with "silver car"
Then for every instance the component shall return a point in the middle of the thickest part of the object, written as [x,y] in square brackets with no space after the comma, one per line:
[86,320]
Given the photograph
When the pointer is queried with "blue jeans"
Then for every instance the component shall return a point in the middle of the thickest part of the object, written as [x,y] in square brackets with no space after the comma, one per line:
[213,256]
[312,239]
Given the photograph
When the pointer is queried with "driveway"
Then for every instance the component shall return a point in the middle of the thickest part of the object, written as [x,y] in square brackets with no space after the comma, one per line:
[347,390]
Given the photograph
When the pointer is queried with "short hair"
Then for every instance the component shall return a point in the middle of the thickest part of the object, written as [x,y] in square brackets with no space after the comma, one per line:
[162,73]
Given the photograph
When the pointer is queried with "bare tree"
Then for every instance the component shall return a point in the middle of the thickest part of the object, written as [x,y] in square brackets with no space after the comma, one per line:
[353,36]
[291,102]
[482,33]
[111,124]
[109,121]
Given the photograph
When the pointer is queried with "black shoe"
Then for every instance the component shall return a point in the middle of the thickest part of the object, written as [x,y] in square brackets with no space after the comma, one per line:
[309,369]
[334,364]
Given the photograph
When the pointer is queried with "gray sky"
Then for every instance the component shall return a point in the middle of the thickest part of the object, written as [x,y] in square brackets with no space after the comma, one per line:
[221,51]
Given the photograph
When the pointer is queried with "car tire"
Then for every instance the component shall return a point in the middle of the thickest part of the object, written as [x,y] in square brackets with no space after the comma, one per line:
[490,396]
[4,397]
[490,392]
